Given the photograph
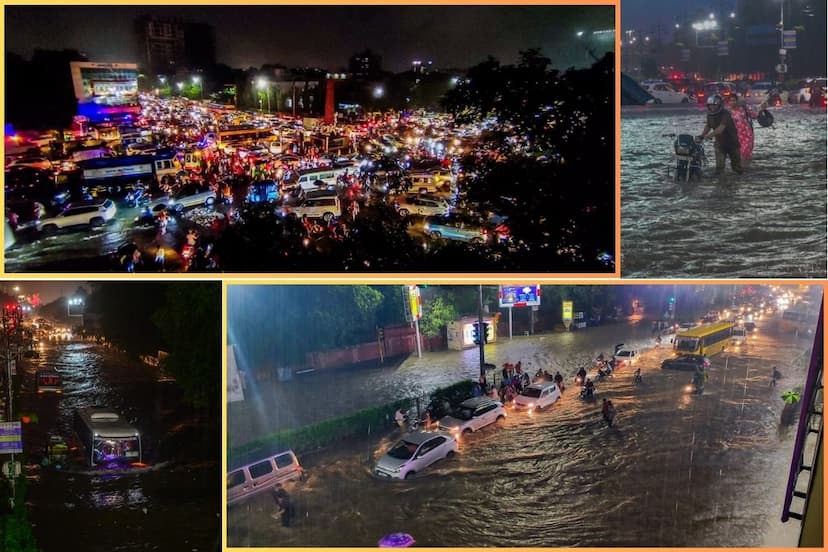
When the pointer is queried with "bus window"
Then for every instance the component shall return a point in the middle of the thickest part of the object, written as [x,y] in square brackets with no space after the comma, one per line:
[688,345]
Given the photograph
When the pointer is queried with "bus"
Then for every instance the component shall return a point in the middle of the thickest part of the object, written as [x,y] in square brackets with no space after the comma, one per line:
[799,318]
[106,437]
[49,381]
[128,168]
[242,134]
[707,340]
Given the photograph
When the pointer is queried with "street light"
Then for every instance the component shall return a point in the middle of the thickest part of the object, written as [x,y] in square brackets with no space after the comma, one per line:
[180,86]
[378,92]
[197,80]
[579,34]
[262,83]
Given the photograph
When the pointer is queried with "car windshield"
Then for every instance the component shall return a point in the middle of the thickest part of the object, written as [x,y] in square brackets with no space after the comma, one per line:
[462,413]
[403,450]
[624,353]
[531,392]
[686,344]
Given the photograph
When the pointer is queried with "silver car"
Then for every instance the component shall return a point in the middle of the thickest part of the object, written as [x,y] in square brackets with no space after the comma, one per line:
[183,201]
[414,452]
[473,414]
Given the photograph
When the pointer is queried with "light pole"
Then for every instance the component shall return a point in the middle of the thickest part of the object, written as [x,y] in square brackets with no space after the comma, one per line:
[75,302]
[197,80]
[264,83]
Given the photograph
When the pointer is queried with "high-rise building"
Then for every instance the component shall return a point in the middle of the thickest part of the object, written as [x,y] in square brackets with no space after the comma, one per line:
[365,64]
[168,46]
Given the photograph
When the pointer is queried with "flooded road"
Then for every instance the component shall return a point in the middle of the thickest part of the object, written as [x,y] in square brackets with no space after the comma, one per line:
[676,470]
[172,505]
[273,406]
[769,222]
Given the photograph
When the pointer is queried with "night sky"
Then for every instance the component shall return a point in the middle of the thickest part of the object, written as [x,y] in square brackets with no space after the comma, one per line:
[325,36]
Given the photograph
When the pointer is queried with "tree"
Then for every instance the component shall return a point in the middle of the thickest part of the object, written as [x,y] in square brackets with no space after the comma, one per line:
[190,320]
[436,316]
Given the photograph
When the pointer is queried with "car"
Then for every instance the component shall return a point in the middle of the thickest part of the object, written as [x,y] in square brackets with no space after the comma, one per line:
[455,228]
[261,475]
[625,355]
[537,396]
[723,89]
[40,163]
[183,200]
[25,213]
[472,415]
[803,92]
[425,205]
[414,452]
[686,362]
[90,213]
[664,92]
[758,92]
[325,208]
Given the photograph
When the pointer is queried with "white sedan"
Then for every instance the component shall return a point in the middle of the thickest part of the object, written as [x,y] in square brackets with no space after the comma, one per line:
[185,200]
[414,452]
[664,92]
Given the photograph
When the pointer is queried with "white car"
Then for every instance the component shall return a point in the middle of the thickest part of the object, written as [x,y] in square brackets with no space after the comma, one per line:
[182,201]
[324,207]
[473,414]
[79,214]
[757,93]
[538,396]
[664,92]
[414,452]
[626,356]
[424,205]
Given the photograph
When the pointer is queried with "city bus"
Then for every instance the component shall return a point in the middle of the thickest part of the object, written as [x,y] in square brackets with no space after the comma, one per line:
[128,168]
[49,381]
[106,437]
[707,340]
[243,134]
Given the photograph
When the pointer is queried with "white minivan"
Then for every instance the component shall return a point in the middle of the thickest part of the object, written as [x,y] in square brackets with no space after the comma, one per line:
[261,475]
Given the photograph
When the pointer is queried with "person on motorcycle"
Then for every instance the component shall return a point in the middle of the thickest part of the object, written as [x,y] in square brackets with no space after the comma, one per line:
[582,374]
[589,388]
[559,381]
[721,127]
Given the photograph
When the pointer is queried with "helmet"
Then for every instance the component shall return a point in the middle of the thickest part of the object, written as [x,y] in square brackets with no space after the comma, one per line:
[714,104]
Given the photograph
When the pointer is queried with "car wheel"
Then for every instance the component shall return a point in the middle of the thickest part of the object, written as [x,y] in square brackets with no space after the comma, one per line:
[685,100]
[436,234]
[403,213]
[410,474]
[209,201]
[467,431]
[97,221]
[500,419]
[449,454]
[327,217]
[178,207]
[657,101]
[50,229]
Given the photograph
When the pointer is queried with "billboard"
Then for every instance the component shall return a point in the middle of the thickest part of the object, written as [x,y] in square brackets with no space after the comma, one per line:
[105,90]
[11,439]
[519,296]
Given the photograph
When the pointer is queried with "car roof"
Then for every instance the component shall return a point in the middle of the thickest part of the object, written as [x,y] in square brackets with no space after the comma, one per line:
[542,385]
[476,402]
[420,437]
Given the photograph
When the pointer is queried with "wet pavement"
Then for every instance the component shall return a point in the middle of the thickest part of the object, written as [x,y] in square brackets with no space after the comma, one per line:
[676,470]
[172,505]
[769,222]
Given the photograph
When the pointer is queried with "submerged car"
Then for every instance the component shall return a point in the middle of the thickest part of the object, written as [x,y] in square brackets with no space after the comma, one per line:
[538,396]
[473,414]
[686,362]
[414,452]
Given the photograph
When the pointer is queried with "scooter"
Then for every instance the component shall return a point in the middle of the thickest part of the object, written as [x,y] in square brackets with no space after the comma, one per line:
[587,393]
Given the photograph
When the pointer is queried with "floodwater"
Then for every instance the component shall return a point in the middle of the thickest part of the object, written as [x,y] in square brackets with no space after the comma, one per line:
[769,222]
[174,504]
[676,470]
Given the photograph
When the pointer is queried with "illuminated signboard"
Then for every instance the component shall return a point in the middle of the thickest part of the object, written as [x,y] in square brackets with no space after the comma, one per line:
[414,302]
[567,310]
[11,439]
[105,89]
[519,296]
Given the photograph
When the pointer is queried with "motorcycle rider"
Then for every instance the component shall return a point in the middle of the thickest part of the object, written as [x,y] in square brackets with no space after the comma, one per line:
[721,127]
[559,381]
[582,374]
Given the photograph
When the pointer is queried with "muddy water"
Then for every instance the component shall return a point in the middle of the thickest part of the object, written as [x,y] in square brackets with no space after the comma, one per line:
[677,470]
[172,505]
[769,222]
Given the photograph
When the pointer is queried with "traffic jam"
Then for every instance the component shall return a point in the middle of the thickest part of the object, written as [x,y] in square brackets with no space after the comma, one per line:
[156,193]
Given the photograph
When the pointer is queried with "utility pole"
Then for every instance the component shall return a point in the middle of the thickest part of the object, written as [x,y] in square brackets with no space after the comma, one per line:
[481,329]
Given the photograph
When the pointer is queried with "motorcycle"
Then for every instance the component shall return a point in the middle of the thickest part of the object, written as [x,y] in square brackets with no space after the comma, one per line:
[137,197]
[587,393]
[689,156]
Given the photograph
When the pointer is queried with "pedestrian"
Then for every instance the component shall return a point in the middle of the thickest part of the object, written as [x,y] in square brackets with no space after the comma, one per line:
[610,415]
[399,418]
[160,258]
[286,510]
[427,419]
[605,409]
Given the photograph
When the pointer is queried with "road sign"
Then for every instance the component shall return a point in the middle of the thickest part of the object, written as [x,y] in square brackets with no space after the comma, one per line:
[11,440]
[11,469]
[415,303]
[789,40]
[567,313]
[721,48]
[685,54]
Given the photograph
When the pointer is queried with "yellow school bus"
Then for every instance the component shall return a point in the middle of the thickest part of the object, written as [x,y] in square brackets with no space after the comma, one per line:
[707,340]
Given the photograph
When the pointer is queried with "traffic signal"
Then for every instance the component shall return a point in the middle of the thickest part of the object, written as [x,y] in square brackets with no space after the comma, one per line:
[485,332]
[476,333]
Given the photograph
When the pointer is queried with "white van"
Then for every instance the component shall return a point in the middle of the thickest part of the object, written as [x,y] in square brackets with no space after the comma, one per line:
[324,207]
[424,183]
[262,475]
[308,178]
